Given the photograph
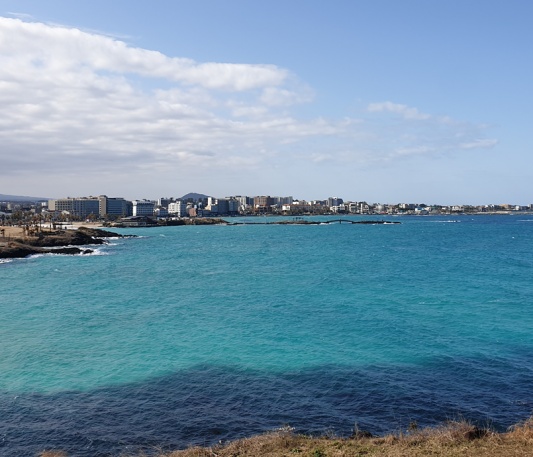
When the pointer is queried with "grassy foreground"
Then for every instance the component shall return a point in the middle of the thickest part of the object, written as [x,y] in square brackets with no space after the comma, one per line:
[449,440]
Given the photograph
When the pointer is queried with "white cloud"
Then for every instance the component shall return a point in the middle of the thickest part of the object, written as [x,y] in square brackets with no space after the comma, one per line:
[417,150]
[22,16]
[63,49]
[479,144]
[275,96]
[73,100]
[412,133]
[68,93]
[405,111]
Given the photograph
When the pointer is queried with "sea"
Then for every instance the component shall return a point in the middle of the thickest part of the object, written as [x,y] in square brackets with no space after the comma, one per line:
[196,335]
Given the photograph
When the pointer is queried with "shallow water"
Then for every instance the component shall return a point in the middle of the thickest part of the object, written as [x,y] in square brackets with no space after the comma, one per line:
[190,335]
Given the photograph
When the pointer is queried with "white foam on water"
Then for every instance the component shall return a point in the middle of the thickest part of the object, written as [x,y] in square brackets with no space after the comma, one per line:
[451,221]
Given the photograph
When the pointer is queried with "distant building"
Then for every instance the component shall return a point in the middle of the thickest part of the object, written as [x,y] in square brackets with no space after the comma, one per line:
[353,207]
[335,201]
[244,203]
[233,206]
[161,211]
[262,204]
[282,201]
[77,207]
[164,202]
[223,206]
[108,206]
[212,206]
[178,209]
[338,208]
[137,221]
[143,207]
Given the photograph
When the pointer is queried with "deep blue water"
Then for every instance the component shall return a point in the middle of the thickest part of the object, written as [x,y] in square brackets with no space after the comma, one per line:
[191,335]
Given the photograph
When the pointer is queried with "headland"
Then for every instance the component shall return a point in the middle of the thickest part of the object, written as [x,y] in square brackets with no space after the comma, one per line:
[19,242]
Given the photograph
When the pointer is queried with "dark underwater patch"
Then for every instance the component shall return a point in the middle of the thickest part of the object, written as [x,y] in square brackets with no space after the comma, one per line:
[206,404]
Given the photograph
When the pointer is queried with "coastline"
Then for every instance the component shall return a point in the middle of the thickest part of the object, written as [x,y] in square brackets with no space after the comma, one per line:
[452,439]
[16,243]
[16,231]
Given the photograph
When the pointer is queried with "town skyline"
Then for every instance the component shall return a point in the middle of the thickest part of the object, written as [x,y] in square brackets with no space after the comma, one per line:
[382,101]
[236,205]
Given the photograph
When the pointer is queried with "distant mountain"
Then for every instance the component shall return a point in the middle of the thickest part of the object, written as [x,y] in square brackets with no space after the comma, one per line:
[20,198]
[194,196]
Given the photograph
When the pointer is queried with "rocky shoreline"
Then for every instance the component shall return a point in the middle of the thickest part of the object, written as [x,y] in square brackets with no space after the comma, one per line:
[56,242]
[65,241]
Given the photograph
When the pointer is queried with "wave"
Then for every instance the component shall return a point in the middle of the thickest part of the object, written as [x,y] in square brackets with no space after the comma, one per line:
[94,252]
[97,251]
[450,221]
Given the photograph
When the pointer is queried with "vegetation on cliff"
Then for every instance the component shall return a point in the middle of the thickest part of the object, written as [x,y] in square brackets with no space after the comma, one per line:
[453,439]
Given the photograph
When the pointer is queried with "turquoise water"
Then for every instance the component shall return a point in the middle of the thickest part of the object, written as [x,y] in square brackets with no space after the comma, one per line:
[194,334]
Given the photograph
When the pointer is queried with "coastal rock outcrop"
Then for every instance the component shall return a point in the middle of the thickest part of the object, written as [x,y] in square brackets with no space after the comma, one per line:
[80,237]
[63,242]
[16,250]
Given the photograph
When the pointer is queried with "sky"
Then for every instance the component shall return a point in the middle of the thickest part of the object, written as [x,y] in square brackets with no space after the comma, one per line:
[384,101]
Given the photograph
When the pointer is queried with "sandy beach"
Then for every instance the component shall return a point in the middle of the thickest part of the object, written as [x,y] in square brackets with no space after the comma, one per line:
[9,231]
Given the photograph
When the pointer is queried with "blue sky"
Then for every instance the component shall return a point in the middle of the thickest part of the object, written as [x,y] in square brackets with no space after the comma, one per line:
[385,101]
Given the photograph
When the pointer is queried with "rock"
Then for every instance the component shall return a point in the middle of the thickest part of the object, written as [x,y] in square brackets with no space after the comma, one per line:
[64,239]
[69,251]
[99,233]
[16,250]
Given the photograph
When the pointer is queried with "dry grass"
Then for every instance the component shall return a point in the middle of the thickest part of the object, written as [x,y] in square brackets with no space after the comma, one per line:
[12,231]
[522,431]
[53,454]
[454,439]
[449,440]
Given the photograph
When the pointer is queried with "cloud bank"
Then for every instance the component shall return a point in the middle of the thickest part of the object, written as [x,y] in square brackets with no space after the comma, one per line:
[74,101]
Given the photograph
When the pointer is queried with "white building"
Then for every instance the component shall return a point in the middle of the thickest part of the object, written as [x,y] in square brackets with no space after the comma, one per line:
[79,207]
[178,209]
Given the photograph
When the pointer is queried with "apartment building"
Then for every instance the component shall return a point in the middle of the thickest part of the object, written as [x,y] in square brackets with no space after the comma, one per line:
[143,207]
[78,207]
[109,206]
[178,209]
